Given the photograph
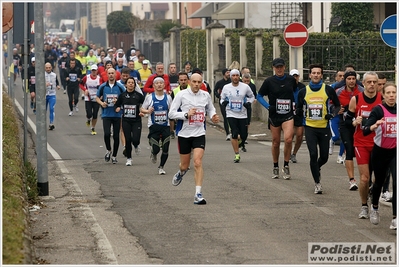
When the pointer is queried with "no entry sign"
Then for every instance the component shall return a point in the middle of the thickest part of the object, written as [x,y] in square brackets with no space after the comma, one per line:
[296,34]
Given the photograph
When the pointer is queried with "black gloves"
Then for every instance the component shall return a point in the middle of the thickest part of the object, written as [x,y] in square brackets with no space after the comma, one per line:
[328,116]
[247,105]
[225,103]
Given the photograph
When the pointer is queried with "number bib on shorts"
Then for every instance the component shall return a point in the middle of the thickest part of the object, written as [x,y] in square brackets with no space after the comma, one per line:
[129,111]
[198,118]
[283,106]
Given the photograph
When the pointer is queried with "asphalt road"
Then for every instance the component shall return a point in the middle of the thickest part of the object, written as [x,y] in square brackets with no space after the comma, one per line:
[249,218]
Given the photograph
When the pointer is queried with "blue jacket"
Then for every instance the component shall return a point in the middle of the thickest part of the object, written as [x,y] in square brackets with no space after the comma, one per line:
[108,94]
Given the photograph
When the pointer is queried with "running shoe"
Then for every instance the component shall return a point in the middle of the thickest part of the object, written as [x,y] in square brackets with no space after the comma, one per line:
[172,134]
[386,196]
[129,162]
[275,173]
[161,171]
[153,158]
[124,152]
[88,123]
[70,113]
[318,189]
[76,108]
[243,149]
[107,156]
[199,200]
[34,111]
[93,131]
[286,172]
[237,158]
[393,224]
[228,137]
[177,178]
[353,185]
[114,160]
[364,212]
[137,150]
[331,149]
[64,92]
[293,158]
[340,159]
[374,216]
[51,127]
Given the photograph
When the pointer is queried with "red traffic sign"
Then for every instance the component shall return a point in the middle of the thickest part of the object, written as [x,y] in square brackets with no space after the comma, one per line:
[296,34]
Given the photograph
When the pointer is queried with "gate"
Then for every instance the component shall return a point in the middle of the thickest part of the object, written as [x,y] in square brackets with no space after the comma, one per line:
[153,51]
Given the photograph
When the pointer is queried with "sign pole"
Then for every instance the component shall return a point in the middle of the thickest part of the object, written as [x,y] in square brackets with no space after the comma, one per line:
[25,81]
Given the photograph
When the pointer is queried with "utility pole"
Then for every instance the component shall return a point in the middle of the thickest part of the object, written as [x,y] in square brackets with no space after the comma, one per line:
[25,81]
[41,133]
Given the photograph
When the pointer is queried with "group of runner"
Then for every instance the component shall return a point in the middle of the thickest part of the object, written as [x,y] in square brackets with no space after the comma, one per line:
[294,109]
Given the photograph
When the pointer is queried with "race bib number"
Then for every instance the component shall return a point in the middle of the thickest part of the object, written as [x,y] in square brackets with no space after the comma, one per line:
[283,106]
[390,127]
[198,118]
[73,77]
[129,111]
[15,61]
[32,80]
[110,99]
[63,65]
[160,116]
[315,111]
[235,105]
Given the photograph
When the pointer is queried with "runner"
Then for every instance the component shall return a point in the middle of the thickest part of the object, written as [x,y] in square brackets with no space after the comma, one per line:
[190,107]
[32,84]
[315,101]
[73,76]
[130,101]
[157,105]
[345,93]
[280,91]
[51,84]
[383,122]
[359,110]
[89,85]
[237,98]
[107,95]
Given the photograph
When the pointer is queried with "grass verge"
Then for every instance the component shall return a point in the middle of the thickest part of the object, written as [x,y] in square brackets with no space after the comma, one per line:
[19,188]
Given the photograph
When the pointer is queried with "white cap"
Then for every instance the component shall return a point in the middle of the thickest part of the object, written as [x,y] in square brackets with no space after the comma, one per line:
[133,51]
[145,61]
[234,71]
[14,49]
[110,50]
[294,72]
[33,59]
[94,67]
[119,51]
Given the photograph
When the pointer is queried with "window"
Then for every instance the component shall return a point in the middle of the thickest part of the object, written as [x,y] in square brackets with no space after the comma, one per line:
[126,8]
[159,14]
[147,15]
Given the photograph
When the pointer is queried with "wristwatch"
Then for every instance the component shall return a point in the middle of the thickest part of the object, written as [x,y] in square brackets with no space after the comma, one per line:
[186,115]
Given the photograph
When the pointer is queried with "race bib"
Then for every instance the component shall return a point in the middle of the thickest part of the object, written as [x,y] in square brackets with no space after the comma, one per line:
[63,65]
[73,77]
[390,127]
[110,99]
[235,105]
[32,80]
[315,111]
[198,118]
[160,116]
[129,111]
[92,94]
[283,106]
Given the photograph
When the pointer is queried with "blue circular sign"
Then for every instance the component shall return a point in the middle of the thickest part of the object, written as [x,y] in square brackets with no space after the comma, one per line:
[388,31]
